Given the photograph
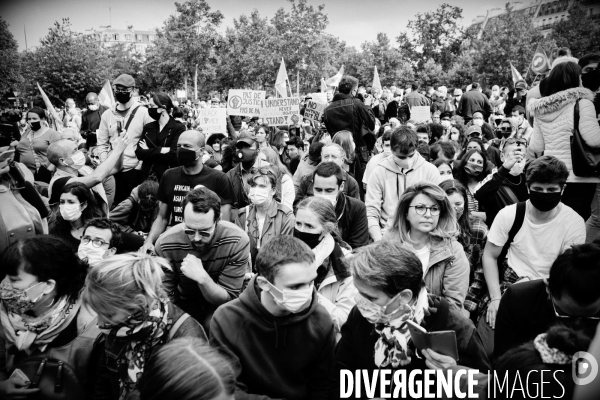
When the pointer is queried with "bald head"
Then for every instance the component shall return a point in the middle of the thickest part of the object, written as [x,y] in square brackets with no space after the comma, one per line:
[70,134]
[61,149]
[192,138]
[91,97]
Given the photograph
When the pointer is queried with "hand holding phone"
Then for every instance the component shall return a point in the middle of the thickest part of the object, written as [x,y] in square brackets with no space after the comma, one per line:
[442,342]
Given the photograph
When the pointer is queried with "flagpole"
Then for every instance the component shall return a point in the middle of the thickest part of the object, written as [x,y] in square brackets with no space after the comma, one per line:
[25,31]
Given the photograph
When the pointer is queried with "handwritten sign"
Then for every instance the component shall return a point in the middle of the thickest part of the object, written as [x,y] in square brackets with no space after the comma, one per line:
[314,111]
[212,120]
[281,111]
[319,98]
[420,114]
[245,102]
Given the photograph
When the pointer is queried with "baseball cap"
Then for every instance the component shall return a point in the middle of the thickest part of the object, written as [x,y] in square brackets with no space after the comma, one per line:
[124,80]
[247,137]
[521,85]
[472,130]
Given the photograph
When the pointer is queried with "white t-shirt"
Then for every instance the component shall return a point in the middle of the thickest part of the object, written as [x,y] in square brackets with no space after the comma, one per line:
[423,255]
[535,247]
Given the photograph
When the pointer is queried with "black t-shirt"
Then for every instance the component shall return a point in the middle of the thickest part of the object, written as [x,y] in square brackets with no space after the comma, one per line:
[175,184]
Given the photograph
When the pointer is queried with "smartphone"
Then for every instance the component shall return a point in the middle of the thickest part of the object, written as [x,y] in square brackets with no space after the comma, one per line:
[21,379]
[443,342]
[119,127]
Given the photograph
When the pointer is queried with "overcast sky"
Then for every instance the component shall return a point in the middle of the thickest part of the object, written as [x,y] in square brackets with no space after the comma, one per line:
[354,21]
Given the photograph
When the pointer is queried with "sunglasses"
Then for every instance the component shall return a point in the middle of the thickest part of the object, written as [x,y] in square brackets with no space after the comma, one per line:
[191,233]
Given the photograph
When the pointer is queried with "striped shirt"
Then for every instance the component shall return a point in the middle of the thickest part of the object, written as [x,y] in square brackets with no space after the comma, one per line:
[225,260]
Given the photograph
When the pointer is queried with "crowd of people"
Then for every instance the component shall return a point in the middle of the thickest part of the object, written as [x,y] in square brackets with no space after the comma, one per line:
[143,259]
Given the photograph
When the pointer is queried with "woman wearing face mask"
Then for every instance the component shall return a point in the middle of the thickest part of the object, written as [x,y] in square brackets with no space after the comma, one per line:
[316,225]
[43,322]
[456,133]
[278,143]
[286,192]
[135,316]
[471,170]
[157,147]
[389,279]
[473,231]
[265,218]
[213,146]
[263,136]
[425,221]
[33,146]
[445,169]
[77,207]
[473,143]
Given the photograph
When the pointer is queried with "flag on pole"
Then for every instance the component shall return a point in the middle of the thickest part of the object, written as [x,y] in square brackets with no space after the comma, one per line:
[540,64]
[516,76]
[282,83]
[323,85]
[376,82]
[106,97]
[54,119]
[335,80]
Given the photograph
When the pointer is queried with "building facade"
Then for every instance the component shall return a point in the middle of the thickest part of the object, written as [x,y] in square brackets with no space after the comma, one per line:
[137,39]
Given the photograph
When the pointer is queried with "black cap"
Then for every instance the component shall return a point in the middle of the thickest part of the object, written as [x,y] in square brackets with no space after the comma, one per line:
[314,151]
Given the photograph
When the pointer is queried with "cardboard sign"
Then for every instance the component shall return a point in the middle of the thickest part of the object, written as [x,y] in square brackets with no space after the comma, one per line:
[212,120]
[245,102]
[319,98]
[420,114]
[281,111]
[314,111]
[181,94]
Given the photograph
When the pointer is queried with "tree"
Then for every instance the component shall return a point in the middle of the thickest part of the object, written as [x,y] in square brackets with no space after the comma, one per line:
[392,66]
[9,67]
[579,32]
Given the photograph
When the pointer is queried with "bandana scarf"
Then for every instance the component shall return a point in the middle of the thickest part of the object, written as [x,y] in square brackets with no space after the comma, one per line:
[27,333]
[151,332]
[392,346]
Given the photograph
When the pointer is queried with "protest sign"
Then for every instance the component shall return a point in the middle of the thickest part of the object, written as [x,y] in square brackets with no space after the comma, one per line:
[281,111]
[314,111]
[212,120]
[245,102]
[420,114]
[319,98]
[181,94]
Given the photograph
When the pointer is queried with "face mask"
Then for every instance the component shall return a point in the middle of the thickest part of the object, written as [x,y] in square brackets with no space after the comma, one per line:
[478,122]
[454,137]
[311,239]
[473,169]
[406,163]
[293,300]
[186,156]
[92,254]
[216,147]
[372,312]
[36,125]
[78,159]
[544,201]
[154,113]
[517,169]
[17,301]
[259,196]
[495,93]
[387,151]
[247,155]
[591,80]
[446,124]
[332,197]
[459,211]
[93,107]
[70,212]
[123,97]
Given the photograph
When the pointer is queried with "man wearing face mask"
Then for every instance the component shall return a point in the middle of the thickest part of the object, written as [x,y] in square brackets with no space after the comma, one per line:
[99,241]
[351,213]
[398,108]
[70,167]
[177,182]
[279,313]
[524,130]
[209,257]
[130,117]
[590,76]
[392,176]
[486,129]
[546,227]
[516,97]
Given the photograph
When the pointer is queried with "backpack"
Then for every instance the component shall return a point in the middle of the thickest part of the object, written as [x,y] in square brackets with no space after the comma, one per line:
[62,373]
[515,228]
[18,218]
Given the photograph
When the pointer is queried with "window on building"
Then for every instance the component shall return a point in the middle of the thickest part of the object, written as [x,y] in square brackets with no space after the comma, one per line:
[128,37]
[115,36]
[138,38]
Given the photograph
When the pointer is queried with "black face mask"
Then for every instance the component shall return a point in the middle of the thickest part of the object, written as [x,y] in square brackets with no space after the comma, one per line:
[186,156]
[123,97]
[311,239]
[36,126]
[154,113]
[544,201]
[591,80]
[246,155]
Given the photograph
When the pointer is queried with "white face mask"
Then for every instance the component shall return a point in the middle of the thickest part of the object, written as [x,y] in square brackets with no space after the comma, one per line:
[446,124]
[405,164]
[454,136]
[372,312]
[478,122]
[258,195]
[70,212]
[332,197]
[78,159]
[293,300]
[93,254]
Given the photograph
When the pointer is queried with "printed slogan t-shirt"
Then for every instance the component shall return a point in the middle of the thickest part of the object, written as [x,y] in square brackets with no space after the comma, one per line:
[175,184]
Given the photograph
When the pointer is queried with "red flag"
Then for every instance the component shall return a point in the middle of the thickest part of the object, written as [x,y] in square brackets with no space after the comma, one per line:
[540,63]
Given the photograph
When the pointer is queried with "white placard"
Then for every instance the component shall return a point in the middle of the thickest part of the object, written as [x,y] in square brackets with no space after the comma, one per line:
[420,114]
[314,110]
[245,102]
[212,120]
[281,111]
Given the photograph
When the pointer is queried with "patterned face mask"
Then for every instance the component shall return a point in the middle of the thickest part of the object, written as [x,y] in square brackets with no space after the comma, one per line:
[17,301]
[374,313]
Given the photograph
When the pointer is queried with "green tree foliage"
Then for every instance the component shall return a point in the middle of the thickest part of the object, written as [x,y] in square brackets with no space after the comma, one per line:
[9,67]
[579,32]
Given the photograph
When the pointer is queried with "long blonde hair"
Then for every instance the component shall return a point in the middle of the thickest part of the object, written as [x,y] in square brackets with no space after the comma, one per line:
[447,227]
[125,283]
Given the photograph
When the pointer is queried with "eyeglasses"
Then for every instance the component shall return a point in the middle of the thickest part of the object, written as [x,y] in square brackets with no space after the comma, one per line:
[139,316]
[128,90]
[519,142]
[205,234]
[505,129]
[569,316]
[421,209]
[95,242]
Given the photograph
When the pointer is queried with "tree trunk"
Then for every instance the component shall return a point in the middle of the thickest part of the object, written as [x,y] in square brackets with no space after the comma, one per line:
[196,83]
[186,87]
